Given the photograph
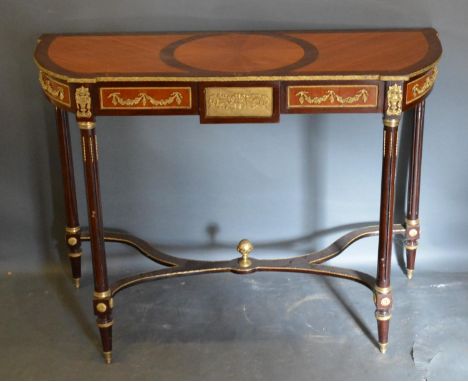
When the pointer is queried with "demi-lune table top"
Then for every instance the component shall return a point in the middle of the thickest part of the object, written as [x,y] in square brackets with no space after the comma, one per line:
[366,54]
[237,76]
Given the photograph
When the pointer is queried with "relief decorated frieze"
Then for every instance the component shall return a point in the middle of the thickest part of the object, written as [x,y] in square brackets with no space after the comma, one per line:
[418,88]
[55,90]
[332,96]
[138,98]
[238,101]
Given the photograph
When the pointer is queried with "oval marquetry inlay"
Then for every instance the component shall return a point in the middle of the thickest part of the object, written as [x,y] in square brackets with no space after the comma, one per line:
[332,96]
[238,53]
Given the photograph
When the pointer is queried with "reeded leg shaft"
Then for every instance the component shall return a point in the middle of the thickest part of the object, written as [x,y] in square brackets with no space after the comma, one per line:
[102,301]
[414,185]
[383,293]
[72,229]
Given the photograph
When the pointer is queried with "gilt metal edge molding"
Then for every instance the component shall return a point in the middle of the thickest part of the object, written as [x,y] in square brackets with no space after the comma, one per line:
[300,77]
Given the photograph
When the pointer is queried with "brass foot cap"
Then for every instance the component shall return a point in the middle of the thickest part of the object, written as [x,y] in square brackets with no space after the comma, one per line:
[383,347]
[76,282]
[410,273]
[107,357]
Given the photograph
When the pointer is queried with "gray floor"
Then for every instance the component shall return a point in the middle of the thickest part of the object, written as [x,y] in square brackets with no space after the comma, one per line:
[226,326]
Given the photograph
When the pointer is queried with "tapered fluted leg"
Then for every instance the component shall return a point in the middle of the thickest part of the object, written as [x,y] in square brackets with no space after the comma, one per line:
[414,185]
[102,301]
[383,293]
[72,229]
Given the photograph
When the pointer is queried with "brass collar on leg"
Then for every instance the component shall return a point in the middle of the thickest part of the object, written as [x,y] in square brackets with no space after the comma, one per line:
[102,295]
[88,125]
[391,122]
[105,324]
[386,290]
[412,223]
[75,254]
[72,230]
[380,317]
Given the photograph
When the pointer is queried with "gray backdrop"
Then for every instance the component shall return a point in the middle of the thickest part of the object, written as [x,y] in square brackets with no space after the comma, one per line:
[198,189]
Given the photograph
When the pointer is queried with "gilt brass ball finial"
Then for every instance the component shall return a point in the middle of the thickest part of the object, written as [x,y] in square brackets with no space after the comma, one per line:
[244,248]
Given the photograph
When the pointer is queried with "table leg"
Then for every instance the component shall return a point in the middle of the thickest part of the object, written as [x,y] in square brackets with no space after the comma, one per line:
[414,183]
[102,301]
[383,292]
[72,229]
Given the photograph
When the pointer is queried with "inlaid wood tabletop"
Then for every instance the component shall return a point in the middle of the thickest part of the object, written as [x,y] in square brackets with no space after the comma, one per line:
[236,76]
[367,54]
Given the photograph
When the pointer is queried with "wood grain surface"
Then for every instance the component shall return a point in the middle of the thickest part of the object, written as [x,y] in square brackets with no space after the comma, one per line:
[201,54]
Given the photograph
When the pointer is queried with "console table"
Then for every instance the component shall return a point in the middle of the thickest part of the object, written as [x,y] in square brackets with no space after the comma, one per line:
[238,77]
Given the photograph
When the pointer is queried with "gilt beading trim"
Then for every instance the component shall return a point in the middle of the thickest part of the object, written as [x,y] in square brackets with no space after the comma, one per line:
[311,77]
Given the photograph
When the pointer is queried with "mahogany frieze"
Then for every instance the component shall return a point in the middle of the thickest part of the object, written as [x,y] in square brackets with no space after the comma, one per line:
[145,98]
[55,90]
[418,88]
[332,96]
